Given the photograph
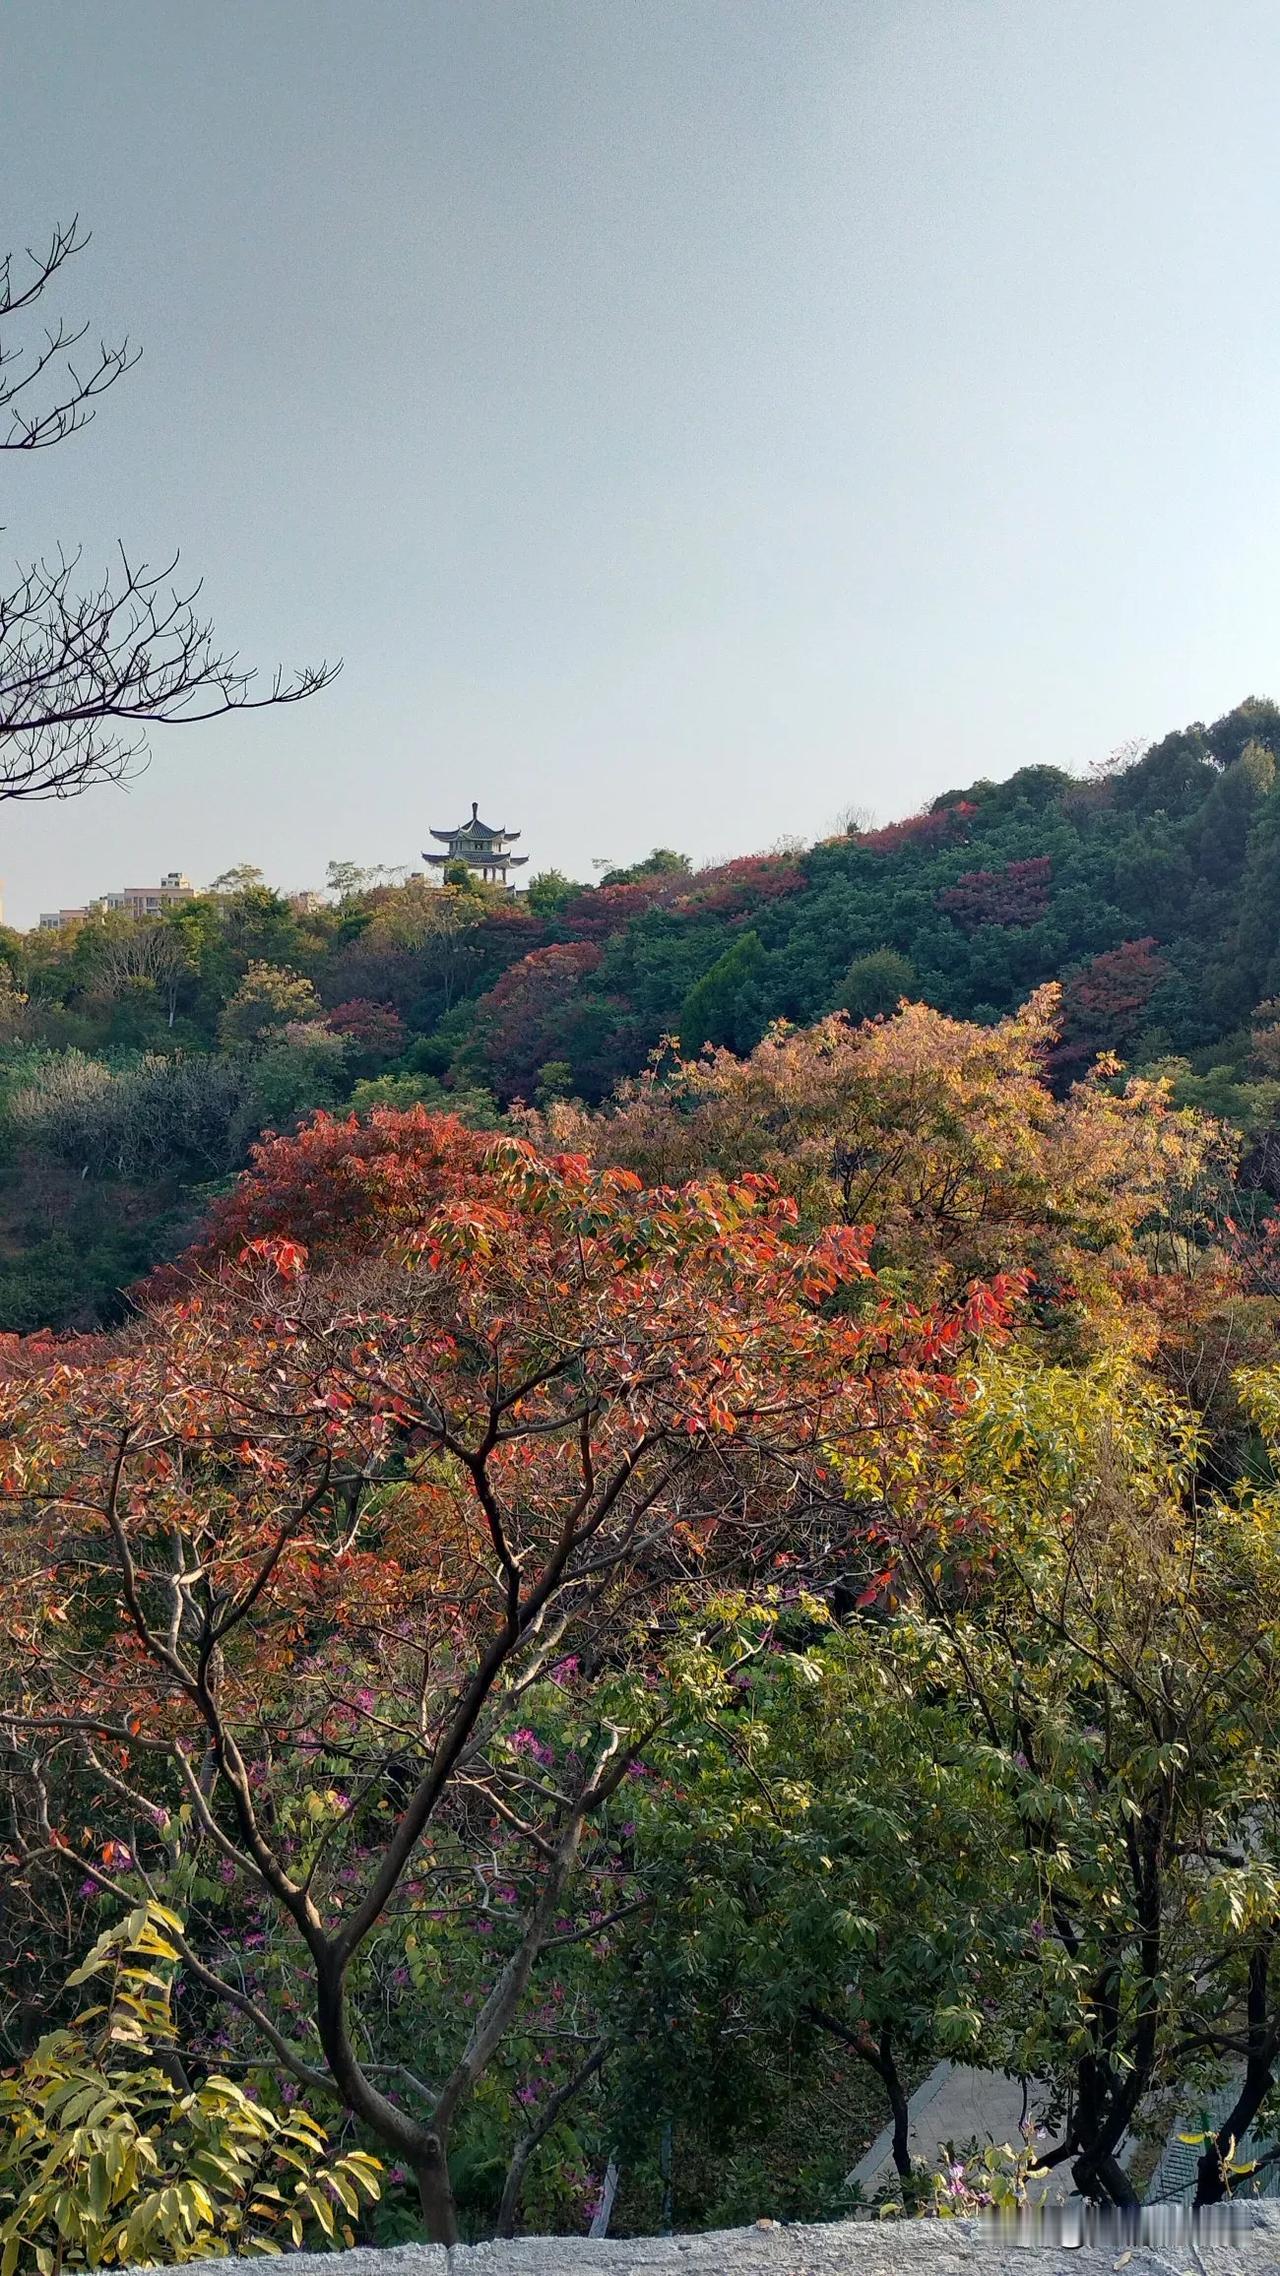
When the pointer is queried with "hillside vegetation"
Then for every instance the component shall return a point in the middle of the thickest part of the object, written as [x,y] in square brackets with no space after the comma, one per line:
[139,1062]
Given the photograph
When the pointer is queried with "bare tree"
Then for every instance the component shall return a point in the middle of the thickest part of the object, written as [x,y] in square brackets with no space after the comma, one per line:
[133,955]
[86,666]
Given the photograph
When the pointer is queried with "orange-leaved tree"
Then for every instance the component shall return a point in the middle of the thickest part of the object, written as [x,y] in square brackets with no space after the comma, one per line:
[945,1134]
[340,1186]
[356,1516]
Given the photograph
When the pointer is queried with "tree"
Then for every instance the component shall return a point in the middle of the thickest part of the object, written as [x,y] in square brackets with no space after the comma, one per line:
[437,926]
[347,880]
[829,1858]
[1172,777]
[339,1187]
[152,957]
[1103,1006]
[1014,895]
[242,877]
[296,1069]
[1120,1659]
[550,892]
[87,667]
[876,983]
[943,1134]
[267,1001]
[382,1509]
[663,862]
[376,1031]
[1256,721]
[154,1120]
[1255,953]
[521,1019]
[1013,1792]
[727,1007]
[1220,833]
[1265,1037]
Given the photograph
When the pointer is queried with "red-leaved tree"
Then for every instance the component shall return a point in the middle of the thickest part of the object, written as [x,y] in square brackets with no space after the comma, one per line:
[361,1511]
[1014,895]
[1103,1005]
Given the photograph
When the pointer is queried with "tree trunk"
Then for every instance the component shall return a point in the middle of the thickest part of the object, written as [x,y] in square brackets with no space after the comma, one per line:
[422,2147]
[509,2209]
[1211,2168]
[435,2195]
[901,2120]
[1099,2175]
[1211,2175]
[879,2055]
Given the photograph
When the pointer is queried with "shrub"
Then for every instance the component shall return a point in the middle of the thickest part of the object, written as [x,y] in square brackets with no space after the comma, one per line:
[109,2158]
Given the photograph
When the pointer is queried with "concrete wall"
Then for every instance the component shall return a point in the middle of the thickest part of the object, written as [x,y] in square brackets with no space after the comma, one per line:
[1240,2244]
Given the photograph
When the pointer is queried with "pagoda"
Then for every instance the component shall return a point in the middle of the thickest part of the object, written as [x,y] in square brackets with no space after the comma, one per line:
[483,849]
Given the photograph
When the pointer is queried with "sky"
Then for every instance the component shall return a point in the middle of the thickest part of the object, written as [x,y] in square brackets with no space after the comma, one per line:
[686,419]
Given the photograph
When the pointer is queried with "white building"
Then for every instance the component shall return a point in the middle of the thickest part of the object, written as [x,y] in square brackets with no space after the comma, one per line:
[135,901]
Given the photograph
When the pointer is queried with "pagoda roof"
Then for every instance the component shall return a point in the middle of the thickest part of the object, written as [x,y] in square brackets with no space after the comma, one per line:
[475,828]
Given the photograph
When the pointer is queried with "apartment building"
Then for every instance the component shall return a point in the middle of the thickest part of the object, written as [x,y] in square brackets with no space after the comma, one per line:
[134,901]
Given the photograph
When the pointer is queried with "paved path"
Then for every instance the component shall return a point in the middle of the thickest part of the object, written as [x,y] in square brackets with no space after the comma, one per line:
[957,2104]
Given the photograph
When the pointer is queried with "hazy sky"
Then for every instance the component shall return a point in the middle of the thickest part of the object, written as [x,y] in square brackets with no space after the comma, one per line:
[685,417]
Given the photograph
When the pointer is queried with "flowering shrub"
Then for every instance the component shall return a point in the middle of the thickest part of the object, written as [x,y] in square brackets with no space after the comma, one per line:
[977,2178]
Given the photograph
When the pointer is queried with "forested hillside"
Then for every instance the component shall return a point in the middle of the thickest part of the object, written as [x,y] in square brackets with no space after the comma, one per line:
[139,1062]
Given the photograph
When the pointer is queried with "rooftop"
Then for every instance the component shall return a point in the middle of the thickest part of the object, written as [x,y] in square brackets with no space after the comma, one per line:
[474,828]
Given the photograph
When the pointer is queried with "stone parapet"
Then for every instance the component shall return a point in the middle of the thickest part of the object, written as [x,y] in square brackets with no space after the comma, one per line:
[1242,2243]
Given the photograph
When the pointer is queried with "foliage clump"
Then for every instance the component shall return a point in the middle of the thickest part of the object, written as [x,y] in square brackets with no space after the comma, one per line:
[111,2157]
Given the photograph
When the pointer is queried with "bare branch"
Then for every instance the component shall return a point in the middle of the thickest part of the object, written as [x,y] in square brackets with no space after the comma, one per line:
[86,668]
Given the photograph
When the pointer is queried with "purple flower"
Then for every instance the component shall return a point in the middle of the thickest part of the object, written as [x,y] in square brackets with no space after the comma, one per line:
[527,1742]
[526,2094]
